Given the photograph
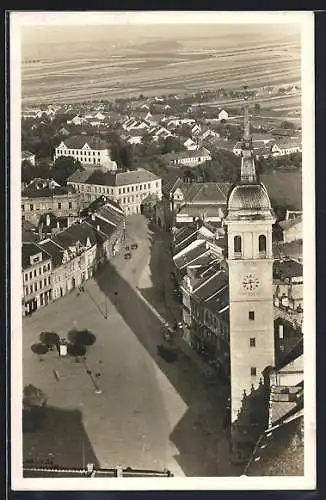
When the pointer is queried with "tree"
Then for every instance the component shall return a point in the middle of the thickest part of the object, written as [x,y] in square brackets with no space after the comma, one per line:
[64,166]
[171,144]
[33,397]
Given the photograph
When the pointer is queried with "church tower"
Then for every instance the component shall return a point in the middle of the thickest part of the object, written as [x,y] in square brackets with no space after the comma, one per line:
[249,223]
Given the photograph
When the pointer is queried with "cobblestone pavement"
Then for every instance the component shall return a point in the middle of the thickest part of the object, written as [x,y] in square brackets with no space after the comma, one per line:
[150,413]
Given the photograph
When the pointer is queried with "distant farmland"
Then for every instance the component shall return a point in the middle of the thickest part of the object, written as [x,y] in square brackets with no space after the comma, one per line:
[75,76]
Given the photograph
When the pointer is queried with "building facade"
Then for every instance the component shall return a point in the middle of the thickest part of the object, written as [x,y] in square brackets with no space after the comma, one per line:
[41,197]
[36,277]
[90,151]
[129,189]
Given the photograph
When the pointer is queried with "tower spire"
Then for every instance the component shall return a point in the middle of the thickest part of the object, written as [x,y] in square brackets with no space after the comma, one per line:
[248,170]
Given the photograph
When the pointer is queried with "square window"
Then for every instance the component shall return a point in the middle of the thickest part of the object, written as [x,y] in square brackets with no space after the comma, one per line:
[251,315]
[253,342]
[253,371]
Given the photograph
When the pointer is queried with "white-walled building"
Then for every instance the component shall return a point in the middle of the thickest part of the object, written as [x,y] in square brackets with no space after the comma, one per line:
[130,189]
[91,151]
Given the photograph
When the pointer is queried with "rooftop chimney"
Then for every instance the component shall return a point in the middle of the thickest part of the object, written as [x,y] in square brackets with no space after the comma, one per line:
[98,227]
[93,216]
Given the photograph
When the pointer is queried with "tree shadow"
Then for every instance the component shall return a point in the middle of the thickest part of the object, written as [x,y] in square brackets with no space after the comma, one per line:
[61,438]
[39,348]
[50,338]
[81,337]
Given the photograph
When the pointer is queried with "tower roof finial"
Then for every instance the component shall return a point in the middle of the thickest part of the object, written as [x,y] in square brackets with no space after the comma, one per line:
[248,171]
[246,135]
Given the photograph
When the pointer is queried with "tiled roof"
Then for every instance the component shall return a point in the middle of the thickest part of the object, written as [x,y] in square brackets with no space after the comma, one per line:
[53,249]
[204,192]
[97,204]
[183,234]
[111,212]
[80,175]
[184,259]
[197,153]
[286,224]
[101,225]
[135,176]
[206,288]
[101,178]
[280,452]
[30,249]
[220,301]
[78,232]
[33,192]
[78,141]
[198,210]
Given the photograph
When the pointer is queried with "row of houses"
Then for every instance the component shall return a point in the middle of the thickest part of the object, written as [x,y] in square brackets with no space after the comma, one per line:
[199,252]
[53,267]
[265,146]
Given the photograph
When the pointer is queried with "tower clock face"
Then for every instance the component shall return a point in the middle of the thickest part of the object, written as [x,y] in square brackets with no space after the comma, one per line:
[250,282]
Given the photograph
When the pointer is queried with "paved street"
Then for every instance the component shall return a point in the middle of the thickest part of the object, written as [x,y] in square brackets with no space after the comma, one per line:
[150,413]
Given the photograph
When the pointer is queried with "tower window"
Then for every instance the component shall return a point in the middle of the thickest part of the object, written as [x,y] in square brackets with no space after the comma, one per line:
[252,315]
[253,342]
[237,245]
[262,243]
[253,371]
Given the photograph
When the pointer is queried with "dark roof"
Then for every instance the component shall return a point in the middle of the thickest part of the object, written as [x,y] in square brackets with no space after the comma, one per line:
[200,210]
[285,401]
[205,288]
[111,213]
[78,141]
[33,192]
[219,303]
[183,234]
[101,178]
[78,232]
[30,249]
[190,255]
[204,192]
[99,224]
[54,250]
[287,269]
[80,175]
[280,452]
[201,152]
[98,203]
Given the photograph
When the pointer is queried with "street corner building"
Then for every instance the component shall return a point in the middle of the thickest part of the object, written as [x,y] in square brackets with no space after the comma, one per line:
[132,190]
[55,265]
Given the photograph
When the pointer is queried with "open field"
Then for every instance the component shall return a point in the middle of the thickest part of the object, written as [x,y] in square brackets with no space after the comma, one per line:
[159,68]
